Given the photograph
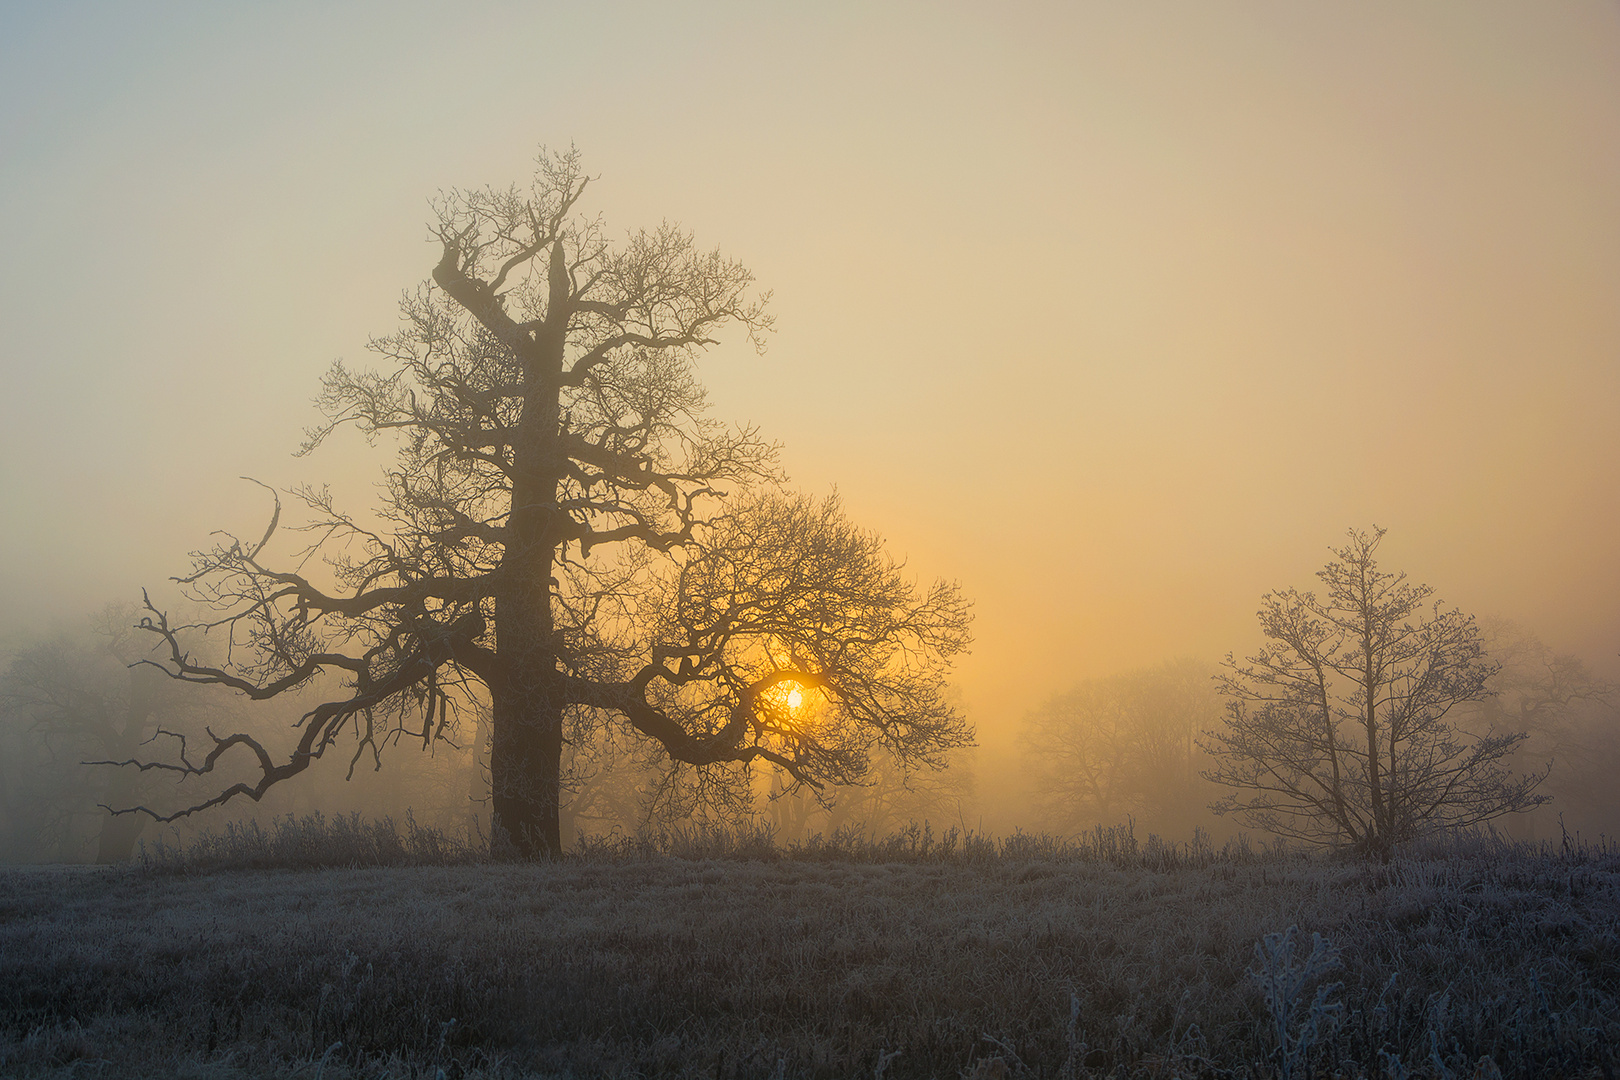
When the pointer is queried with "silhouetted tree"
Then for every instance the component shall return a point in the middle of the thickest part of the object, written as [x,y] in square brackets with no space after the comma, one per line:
[1338,730]
[1121,746]
[565,528]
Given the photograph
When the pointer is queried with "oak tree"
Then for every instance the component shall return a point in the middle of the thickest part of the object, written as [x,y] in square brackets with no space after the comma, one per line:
[566,532]
[1340,729]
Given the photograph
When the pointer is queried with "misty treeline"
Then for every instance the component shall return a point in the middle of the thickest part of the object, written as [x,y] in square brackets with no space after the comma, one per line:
[1111,750]
[1123,747]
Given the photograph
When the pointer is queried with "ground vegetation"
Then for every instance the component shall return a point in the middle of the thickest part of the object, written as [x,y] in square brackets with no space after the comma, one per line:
[703,953]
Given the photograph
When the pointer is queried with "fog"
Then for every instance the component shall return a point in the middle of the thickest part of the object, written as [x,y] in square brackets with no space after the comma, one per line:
[1120,318]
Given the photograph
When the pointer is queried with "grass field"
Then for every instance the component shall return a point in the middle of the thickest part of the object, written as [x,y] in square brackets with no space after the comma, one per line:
[724,957]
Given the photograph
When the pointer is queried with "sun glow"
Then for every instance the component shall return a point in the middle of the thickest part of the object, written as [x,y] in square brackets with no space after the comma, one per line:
[795,698]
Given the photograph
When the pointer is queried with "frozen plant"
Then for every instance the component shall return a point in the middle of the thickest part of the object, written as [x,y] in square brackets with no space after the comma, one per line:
[1076,1043]
[1283,977]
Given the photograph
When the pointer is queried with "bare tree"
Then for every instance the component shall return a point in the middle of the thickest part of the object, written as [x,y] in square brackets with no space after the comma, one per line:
[1338,730]
[565,529]
[1078,746]
[1121,746]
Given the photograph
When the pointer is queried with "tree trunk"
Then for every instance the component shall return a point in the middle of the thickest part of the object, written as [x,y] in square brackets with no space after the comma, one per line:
[1378,833]
[525,761]
[526,744]
[525,765]
[477,787]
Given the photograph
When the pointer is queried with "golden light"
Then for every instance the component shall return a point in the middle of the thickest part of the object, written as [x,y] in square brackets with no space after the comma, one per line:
[795,698]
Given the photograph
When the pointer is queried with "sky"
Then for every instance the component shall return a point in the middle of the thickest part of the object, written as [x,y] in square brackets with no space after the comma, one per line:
[1117,314]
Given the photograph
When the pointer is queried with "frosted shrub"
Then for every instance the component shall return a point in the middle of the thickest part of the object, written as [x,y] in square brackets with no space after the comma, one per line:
[1283,978]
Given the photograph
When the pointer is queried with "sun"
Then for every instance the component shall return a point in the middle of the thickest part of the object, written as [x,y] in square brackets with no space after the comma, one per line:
[795,698]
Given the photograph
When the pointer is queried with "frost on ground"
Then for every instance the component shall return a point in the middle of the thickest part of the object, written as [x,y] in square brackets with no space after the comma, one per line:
[913,958]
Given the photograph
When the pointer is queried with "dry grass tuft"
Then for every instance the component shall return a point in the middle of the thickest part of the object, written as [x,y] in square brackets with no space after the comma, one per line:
[310,843]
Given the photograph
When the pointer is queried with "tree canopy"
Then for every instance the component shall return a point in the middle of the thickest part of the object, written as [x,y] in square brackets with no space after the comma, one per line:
[565,532]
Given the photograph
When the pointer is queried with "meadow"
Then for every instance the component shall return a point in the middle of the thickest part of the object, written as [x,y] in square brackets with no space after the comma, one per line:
[340,949]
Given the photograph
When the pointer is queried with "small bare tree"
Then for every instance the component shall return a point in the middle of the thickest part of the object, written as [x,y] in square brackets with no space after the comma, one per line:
[567,535]
[1339,732]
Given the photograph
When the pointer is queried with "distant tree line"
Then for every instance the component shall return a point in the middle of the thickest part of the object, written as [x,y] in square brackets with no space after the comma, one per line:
[1123,747]
[1571,719]
[66,700]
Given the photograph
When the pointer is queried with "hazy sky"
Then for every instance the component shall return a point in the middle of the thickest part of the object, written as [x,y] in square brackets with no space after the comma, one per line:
[1118,313]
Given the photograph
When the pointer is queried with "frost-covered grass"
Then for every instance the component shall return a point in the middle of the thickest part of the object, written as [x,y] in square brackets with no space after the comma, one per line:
[315,841]
[312,842]
[719,954]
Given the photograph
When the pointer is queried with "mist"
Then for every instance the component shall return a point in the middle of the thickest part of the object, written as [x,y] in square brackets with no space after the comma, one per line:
[1119,319]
